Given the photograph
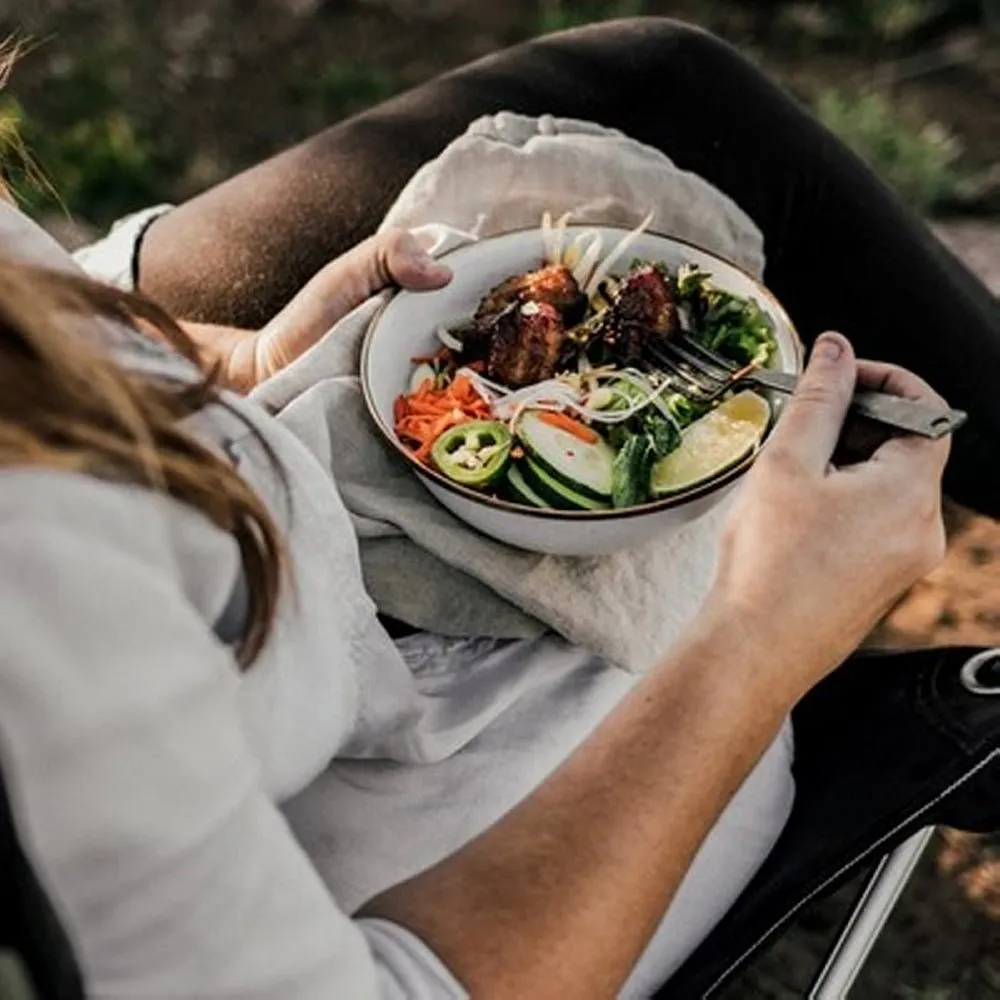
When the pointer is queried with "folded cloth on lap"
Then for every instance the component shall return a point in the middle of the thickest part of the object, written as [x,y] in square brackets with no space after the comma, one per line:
[421,564]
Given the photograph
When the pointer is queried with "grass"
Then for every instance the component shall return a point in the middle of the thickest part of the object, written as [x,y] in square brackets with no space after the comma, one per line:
[891,21]
[559,15]
[101,166]
[886,20]
[918,159]
[86,144]
[347,87]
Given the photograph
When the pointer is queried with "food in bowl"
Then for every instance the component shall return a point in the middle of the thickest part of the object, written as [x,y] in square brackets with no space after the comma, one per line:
[550,395]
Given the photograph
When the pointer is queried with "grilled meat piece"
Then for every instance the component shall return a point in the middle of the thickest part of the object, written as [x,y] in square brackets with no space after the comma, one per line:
[643,308]
[527,344]
[554,285]
[476,337]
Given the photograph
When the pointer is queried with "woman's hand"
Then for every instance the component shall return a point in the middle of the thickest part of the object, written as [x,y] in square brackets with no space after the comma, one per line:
[248,357]
[814,555]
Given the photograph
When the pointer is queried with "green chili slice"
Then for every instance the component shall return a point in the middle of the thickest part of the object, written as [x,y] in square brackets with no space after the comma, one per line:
[473,454]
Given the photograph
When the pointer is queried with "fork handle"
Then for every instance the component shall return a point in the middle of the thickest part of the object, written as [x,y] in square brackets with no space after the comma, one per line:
[925,419]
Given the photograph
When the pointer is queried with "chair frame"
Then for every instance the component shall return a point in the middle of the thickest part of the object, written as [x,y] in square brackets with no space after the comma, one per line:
[864,924]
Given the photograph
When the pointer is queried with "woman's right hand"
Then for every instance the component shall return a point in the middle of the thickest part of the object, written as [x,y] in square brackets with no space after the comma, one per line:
[814,555]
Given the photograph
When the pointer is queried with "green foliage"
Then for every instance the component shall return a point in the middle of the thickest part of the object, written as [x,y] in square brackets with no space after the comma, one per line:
[345,88]
[873,25]
[92,156]
[107,147]
[558,15]
[886,20]
[890,21]
[918,160]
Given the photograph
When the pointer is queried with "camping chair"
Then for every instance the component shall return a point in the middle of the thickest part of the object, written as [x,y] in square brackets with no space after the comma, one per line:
[912,739]
[927,719]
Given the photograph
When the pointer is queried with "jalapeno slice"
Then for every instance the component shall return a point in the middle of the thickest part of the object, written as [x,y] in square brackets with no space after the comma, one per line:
[473,454]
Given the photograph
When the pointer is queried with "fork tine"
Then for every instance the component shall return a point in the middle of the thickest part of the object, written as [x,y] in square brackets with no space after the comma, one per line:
[709,355]
[705,388]
[705,366]
[661,363]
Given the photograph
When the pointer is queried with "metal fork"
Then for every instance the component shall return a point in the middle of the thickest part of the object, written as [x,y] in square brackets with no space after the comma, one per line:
[706,376]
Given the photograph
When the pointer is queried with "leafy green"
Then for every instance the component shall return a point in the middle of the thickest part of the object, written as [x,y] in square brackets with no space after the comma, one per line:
[683,410]
[630,474]
[735,327]
[640,262]
[640,441]
[664,435]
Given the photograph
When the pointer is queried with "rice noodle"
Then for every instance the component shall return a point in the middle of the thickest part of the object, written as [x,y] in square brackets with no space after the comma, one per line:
[588,260]
[558,394]
[548,239]
[449,339]
[604,268]
[559,237]
[577,247]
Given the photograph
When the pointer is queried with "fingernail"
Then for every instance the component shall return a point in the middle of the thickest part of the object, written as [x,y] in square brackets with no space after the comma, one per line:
[829,348]
[429,266]
[425,240]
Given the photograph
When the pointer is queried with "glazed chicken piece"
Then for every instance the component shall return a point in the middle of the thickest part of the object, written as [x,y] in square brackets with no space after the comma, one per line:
[554,285]
[526,345]
[644,307]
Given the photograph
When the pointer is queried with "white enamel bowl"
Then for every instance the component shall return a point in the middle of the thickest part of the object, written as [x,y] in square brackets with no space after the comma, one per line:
[406,328]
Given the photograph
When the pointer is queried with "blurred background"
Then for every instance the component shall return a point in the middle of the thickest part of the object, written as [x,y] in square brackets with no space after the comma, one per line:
[125,103]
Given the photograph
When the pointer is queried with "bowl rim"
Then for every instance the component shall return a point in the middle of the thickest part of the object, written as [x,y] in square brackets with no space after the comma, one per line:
[693,493]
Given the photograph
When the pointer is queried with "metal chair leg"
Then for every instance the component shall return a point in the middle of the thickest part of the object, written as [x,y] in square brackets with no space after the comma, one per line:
[876,902]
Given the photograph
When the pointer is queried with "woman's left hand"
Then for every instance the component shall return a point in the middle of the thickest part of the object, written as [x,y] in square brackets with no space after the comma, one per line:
[247,358]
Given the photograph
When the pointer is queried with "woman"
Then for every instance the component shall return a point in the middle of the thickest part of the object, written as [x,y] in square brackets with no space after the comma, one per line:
[181,879]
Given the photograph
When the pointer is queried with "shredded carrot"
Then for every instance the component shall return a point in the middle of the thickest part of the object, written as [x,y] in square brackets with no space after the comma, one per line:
[568,424]
[419,406]
[422,416]
[399,409]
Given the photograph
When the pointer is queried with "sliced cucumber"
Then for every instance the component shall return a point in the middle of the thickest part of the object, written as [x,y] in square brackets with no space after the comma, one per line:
[554,492]
[518,491]
[585,468]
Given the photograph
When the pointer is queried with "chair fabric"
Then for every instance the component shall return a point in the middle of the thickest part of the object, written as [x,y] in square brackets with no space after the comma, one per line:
[887,745]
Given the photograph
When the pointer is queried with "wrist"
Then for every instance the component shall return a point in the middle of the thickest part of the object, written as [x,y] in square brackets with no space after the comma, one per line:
[751,653]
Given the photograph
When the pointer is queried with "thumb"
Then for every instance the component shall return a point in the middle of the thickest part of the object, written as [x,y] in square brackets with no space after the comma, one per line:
[814,417]
[403,261]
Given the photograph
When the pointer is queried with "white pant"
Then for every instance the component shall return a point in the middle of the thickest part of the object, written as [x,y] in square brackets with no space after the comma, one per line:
[368,825]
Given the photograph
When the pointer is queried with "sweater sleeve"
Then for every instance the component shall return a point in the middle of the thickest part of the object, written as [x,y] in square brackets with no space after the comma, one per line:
[136,795]
[114,257]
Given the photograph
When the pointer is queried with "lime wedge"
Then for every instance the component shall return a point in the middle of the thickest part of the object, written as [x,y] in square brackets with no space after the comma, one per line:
[713,443]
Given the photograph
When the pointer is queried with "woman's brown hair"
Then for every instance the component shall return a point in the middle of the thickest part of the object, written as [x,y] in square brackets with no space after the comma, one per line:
[65,403]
